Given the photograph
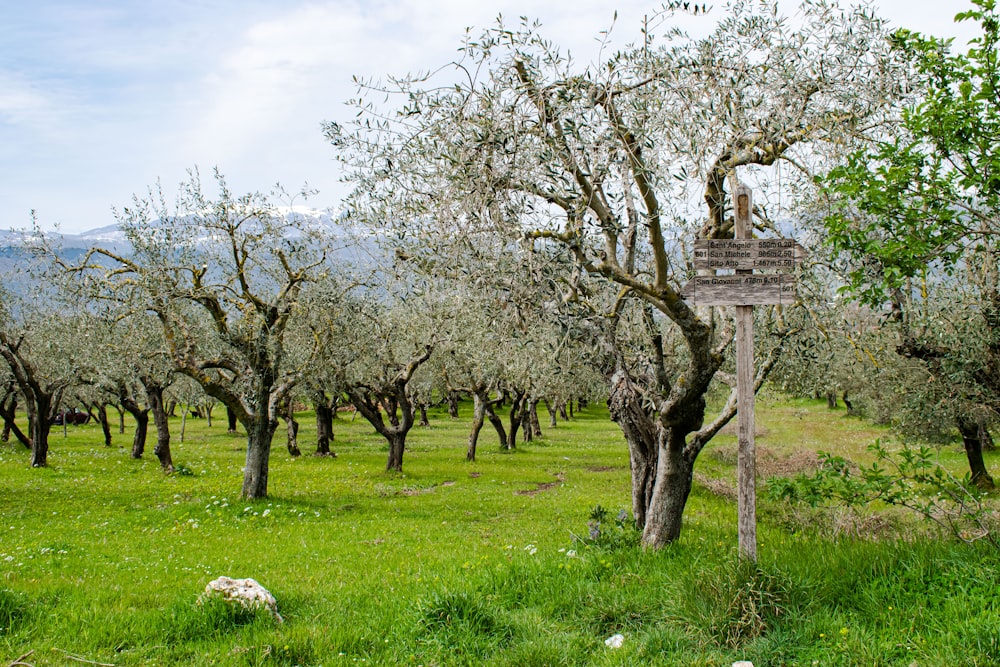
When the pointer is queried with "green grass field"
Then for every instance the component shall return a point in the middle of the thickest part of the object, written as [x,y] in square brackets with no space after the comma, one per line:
[102,558]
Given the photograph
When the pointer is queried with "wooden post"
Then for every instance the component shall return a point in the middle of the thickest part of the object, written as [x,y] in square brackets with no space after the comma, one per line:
[746,457]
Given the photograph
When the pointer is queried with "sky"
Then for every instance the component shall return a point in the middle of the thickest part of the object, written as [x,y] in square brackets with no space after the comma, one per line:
[101,99]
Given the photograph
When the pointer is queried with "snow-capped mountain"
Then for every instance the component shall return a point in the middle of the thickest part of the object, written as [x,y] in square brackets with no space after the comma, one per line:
[15,245]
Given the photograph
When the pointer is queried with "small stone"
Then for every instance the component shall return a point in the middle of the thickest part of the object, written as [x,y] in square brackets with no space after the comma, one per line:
[616,641]
[743,663]
[245,592]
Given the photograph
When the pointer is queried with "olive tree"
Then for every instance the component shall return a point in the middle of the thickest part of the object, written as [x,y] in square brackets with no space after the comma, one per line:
[134,368]
[390,338]
[8,408]
[222,278]
[473,359]
[374,331]
[45,353]
[320,350]
[604,166]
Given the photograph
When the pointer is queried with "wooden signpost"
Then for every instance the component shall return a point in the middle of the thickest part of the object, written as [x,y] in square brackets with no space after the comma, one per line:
[744,289]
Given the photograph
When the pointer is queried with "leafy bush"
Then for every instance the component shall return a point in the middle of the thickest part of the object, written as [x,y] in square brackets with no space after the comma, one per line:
[910,478]
[183,470]
[607,533]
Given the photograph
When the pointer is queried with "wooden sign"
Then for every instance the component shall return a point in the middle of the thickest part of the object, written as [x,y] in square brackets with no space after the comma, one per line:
[740,290]
[747,254]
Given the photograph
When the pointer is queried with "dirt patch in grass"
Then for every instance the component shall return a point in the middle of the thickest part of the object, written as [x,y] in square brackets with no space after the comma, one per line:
[730,429]
[715,486]
[542,486]
[420,490]
[771,463]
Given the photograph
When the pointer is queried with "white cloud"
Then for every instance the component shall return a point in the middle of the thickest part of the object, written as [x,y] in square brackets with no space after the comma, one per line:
[19,103]
[273,80]
[98,101]
[30,110]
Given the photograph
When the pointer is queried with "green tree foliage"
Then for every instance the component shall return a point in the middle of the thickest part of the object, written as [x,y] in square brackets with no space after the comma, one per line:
[915,217]
[926,195]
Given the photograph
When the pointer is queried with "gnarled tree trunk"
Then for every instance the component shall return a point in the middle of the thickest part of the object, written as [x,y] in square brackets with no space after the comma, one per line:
[626,409]
[497,423]
[102,419]
[324,424]
[674,476]
[8,411]
[515,418]
[260,432]
[397,444]
[478,418]
[533,423]
[141,417]
[260,426]
[972,440]
[552,414]
[292,429]
[154,395]
[40,408]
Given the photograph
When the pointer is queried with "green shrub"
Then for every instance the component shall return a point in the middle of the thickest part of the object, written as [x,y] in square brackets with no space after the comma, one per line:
[609,533]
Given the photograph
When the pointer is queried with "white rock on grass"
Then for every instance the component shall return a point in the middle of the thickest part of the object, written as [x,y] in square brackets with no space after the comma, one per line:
[743,663]
[615,641]
[245,592]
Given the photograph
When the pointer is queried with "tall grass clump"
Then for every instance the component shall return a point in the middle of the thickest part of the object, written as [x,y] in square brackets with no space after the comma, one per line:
[211,616]
[736,601]
[464,624]
[15,610]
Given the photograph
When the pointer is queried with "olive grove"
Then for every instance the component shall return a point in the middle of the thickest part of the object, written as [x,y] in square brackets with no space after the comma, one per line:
[608,170]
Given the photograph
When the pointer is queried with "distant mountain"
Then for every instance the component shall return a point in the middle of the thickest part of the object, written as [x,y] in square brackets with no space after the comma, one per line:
[15,245]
